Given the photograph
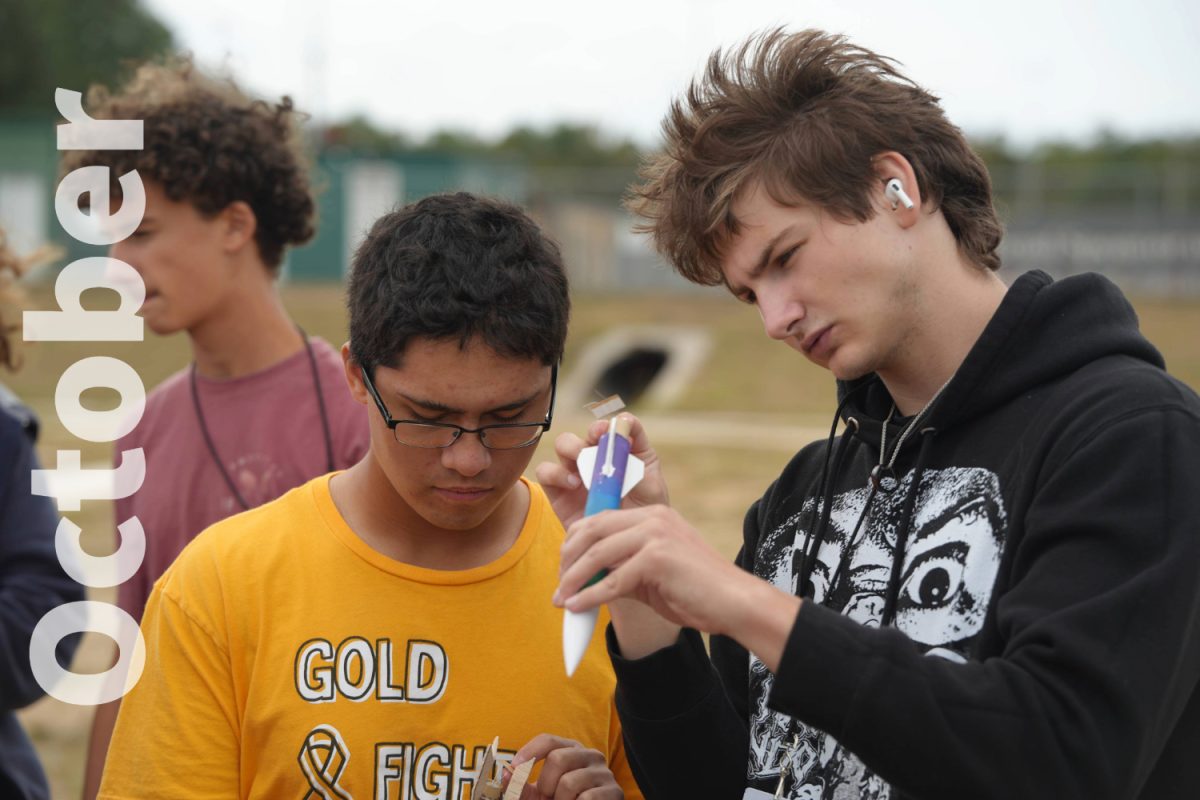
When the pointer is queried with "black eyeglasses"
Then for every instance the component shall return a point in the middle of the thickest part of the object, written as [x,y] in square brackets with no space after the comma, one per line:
[501,436]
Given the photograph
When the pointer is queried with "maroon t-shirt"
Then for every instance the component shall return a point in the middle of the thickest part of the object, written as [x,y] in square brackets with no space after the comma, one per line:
[266,428]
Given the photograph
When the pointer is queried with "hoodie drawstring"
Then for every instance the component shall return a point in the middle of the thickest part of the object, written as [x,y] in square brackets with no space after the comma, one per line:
[825,487]
[906,513]
[825,504]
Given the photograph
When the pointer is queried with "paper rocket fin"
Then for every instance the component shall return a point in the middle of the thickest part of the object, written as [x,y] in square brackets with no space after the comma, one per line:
[635,470]
[485,788]
[518,780]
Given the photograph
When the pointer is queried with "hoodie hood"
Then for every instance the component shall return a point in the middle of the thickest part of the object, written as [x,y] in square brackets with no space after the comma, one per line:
[1067,324]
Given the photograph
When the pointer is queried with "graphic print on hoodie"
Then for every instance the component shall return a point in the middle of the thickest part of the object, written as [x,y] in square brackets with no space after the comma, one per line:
[952,553]
[1083,679]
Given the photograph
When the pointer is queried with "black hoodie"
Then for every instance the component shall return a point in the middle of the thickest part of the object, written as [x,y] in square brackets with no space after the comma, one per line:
[1039,635]
[32,582]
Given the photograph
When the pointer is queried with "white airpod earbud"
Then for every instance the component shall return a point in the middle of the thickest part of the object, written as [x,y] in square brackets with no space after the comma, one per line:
[894,191]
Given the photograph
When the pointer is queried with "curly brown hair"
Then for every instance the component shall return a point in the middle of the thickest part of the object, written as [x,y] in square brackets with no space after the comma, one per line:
[209,144]
[804,115]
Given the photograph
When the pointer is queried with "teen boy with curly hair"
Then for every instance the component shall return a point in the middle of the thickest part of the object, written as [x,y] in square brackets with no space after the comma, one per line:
[369,633]
[988,585]
[263,407]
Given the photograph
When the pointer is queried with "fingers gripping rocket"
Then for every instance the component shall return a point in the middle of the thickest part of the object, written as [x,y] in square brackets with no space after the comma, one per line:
[609,472]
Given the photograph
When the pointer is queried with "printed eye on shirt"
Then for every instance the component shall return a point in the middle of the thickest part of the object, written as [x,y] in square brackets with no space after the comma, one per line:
[957,535]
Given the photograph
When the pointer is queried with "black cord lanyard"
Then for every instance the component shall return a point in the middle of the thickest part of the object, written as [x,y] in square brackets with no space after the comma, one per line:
[212,448]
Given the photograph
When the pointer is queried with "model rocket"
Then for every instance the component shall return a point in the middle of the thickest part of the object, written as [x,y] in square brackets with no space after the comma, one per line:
[609,472]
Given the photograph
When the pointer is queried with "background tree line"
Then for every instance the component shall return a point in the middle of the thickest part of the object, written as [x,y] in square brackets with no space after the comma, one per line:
[48,43]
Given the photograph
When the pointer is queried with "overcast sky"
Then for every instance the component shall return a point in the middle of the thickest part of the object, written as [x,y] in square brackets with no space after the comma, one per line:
[1031,70]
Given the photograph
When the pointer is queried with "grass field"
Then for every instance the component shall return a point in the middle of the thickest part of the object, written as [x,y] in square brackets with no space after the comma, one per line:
[746,376]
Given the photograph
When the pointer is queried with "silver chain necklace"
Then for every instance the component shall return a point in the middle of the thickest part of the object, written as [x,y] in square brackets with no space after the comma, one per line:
[883,472]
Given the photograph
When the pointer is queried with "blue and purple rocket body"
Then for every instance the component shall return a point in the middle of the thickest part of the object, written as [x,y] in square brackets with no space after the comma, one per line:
[608,474]
[607,484]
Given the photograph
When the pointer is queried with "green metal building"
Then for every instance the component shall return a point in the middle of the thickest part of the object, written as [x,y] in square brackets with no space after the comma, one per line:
[352,191]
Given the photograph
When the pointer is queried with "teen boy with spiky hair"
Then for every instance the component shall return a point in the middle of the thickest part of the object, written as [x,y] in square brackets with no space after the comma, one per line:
[369,633]
[263,407]
[988,585]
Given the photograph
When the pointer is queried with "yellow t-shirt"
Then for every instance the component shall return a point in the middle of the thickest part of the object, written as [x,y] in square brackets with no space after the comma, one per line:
[287,659]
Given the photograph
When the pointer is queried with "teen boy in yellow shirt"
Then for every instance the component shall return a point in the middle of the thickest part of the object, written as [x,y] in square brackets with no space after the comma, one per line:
[369,633]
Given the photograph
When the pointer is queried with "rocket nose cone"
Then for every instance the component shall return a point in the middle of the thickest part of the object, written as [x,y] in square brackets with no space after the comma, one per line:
[577,634]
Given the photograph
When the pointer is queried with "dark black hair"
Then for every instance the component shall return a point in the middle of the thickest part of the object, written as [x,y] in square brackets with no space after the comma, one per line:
[457,266]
